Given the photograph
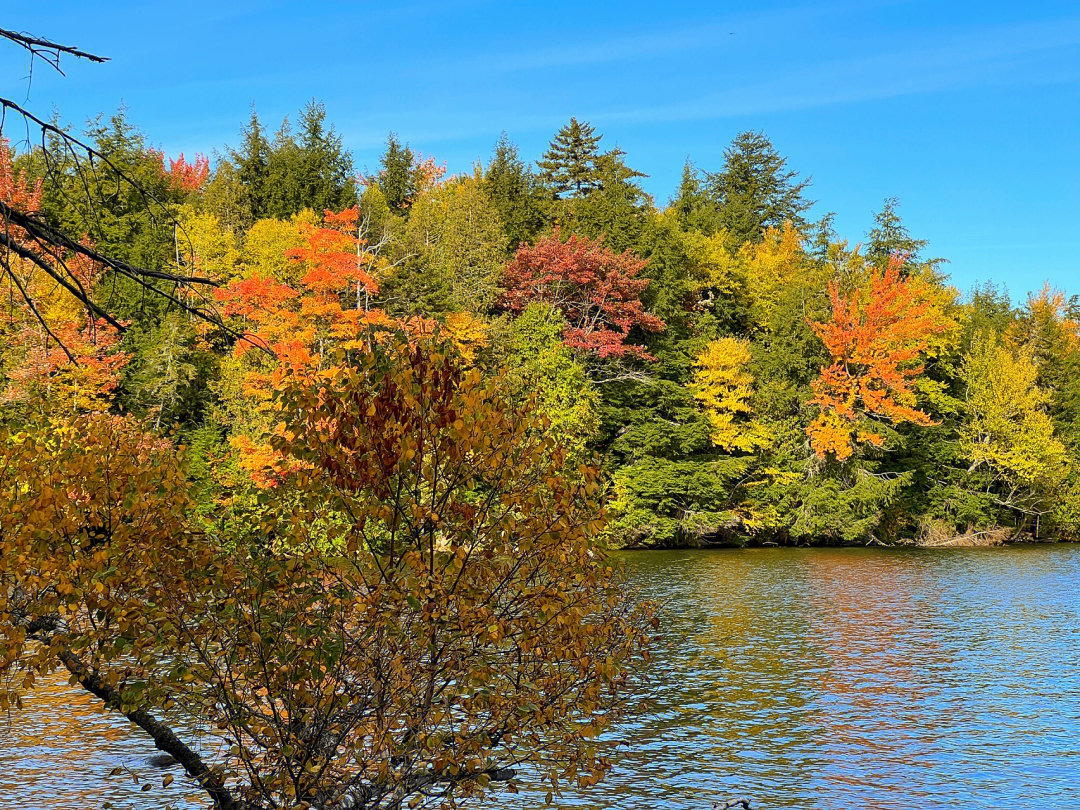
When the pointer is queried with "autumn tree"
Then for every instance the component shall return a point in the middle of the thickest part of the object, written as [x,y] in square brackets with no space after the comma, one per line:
[400,631]
[877,339]
[189,177]
[724,386]
[1008,436]
[58,355]
[538,361]
[597,291]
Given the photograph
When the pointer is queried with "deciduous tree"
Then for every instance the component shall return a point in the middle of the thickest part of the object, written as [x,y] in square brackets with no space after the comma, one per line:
[403,629]
[597,291]
[876,339]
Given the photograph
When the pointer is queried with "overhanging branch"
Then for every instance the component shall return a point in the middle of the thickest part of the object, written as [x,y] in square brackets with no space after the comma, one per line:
[163,736]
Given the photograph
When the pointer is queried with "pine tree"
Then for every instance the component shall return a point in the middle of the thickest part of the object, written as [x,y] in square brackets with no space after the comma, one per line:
[756,190]
[569,165]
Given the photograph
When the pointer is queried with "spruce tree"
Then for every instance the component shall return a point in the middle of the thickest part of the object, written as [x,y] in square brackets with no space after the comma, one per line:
[292,173]
[325,166]
[283,189]
[616,206]
[569,164]
[890,235]
[755,189]
[252,163]
[515,193]
[692,206]
[396,174]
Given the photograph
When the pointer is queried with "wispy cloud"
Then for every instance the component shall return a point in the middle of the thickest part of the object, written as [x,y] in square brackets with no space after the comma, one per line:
[972,57]
[710,33]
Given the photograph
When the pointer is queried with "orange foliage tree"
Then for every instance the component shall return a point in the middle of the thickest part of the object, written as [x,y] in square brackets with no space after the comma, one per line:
[877,340]
[57,353]
[325,307]
[399,630]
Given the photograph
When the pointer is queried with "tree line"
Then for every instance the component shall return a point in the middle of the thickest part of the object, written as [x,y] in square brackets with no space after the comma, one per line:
[741,373]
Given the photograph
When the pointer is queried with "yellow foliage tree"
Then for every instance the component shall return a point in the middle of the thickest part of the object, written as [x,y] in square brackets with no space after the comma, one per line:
[771,265]
[208,246]
[723,386]
[712,267]
[1008,434]
[268,241]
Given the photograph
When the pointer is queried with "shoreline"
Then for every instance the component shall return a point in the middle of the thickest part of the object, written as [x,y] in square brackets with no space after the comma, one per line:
[992,538]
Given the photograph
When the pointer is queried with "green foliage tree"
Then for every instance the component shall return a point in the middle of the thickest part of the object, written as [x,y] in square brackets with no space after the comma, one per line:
[1007,435]
[568,167]
[890,236]
[397,180]
[311,169]
[251,166]
[755,189]
[516,193]
[615,208]
[455,242]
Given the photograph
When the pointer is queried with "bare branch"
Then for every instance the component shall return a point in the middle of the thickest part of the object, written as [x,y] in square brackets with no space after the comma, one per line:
[48,51]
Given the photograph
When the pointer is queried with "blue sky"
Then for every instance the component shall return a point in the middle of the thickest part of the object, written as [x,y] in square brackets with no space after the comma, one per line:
[968,112]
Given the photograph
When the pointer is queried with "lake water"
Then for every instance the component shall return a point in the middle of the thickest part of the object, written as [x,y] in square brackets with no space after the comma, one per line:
[864,679]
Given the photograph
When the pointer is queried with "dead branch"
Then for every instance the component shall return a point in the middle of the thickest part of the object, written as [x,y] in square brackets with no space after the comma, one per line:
[49,52]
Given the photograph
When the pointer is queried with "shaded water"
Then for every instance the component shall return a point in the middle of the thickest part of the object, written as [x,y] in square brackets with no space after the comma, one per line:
[819,678]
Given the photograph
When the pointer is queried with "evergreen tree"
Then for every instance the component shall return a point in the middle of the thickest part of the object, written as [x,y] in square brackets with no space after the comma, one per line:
[692,205]
[284,178]
[290,174]
[326,168]
[569,165]
[252,164]
[615,208]
[755,190]
[515,193]
[397,178]
[889,236]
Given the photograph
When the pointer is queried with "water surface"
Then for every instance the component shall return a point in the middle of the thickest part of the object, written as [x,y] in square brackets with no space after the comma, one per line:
[798,678]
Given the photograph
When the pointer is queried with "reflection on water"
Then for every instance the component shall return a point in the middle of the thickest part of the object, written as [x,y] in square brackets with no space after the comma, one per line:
[823,678]
[58,752]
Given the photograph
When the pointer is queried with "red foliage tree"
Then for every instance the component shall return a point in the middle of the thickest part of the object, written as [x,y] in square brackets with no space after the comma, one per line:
[597,290]
[16,190]
[186,176]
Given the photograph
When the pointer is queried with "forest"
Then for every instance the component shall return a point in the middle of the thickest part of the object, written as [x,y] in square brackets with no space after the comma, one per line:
[736,372]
